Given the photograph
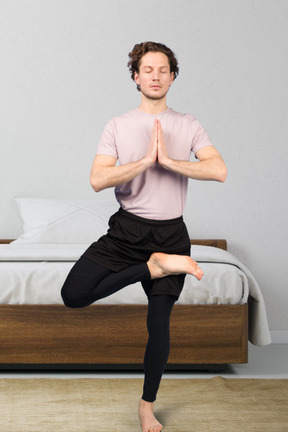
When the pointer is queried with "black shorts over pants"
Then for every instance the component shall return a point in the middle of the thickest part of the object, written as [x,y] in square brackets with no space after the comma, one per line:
[131,240]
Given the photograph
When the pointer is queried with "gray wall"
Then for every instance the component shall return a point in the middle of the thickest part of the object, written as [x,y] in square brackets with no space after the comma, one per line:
[63,75]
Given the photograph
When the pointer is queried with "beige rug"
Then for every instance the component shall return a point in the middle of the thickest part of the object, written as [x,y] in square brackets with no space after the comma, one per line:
[110,405]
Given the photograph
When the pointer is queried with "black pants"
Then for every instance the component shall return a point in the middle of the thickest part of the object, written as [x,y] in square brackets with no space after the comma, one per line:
[88,282]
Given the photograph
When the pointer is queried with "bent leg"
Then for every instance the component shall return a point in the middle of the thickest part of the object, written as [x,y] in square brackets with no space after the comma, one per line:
[88,282]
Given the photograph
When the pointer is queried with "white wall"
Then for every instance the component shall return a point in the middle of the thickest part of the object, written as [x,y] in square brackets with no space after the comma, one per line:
[63,75]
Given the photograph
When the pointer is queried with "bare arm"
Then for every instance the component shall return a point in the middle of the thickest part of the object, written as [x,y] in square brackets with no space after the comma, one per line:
[104,173]
[210,165]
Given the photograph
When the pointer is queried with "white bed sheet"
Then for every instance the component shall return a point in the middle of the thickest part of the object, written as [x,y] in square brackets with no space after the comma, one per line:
[34,274]
[41,282]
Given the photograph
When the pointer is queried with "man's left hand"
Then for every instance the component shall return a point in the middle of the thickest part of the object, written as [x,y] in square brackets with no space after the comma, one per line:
[163,157]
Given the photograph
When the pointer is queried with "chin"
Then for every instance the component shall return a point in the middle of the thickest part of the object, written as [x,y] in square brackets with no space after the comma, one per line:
[153,96]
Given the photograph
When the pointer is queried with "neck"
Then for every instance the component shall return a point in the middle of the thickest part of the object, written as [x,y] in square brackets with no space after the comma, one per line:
[151,106]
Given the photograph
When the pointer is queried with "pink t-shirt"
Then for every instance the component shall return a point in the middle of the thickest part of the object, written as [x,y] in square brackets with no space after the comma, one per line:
[156,193]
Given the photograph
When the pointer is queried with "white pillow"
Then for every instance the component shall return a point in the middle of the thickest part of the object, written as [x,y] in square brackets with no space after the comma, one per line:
[64,221]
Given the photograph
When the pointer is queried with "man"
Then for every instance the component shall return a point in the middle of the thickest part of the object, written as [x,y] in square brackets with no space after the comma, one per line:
[147,239]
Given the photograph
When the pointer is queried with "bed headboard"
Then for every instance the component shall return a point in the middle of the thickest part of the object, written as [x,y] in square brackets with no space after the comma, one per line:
[218,243]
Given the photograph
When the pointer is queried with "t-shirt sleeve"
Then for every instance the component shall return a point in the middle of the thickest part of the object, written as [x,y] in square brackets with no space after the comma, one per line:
[200,138]
[107,144]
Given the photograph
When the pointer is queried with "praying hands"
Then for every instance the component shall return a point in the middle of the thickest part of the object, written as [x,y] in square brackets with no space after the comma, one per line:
[157,150]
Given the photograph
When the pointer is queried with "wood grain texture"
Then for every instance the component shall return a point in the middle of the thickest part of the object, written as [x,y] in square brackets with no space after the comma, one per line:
[116,334]
[218,243]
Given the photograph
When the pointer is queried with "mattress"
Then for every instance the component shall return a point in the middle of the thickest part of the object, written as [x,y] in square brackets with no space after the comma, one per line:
[35,273]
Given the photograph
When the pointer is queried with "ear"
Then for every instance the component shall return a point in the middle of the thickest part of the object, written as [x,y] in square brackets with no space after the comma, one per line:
[136,78]
[171,78]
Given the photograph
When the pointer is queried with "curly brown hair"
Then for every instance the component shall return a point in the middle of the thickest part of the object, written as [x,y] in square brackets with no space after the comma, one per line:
[143,48]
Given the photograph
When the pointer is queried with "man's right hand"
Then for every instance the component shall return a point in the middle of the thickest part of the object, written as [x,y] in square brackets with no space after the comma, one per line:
[152,152]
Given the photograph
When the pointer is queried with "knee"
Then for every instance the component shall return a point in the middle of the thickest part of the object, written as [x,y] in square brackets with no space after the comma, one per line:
[71,299]
[67,299]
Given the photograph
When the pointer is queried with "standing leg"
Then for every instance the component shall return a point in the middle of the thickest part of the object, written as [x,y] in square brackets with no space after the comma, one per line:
[156,356]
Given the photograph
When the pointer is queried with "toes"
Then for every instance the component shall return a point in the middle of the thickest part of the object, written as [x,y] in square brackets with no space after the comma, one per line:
[198,272]
[158,428]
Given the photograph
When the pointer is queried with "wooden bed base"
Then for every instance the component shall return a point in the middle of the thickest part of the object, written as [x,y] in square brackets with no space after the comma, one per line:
[115,336]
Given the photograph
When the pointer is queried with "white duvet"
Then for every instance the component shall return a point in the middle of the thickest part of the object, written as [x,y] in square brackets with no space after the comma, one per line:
[35,273]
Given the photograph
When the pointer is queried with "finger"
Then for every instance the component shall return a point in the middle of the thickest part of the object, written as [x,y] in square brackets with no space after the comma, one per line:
[160,132]
[157,126]
[154,132]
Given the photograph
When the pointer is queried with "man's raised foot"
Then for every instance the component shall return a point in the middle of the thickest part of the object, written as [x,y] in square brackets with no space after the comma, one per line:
[161,265]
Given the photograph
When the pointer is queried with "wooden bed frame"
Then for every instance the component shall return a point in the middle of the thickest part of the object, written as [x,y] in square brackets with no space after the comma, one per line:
[115,336]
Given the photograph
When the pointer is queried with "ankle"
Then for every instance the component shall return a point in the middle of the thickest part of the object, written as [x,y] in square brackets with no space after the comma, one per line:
[145,404]
[154,265]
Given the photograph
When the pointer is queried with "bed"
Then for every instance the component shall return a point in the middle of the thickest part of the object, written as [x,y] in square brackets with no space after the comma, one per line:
[210,324]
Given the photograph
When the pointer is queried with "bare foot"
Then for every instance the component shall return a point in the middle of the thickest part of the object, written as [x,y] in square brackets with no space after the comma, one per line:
[161,265]
[147,419]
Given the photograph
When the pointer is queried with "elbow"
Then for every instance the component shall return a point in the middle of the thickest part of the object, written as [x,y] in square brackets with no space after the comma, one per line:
[222,174]
[96,184]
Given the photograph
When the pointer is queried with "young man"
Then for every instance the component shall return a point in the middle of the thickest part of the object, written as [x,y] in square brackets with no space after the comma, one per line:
[147,239]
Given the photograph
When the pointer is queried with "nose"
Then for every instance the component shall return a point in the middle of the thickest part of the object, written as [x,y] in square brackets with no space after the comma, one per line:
[156,76]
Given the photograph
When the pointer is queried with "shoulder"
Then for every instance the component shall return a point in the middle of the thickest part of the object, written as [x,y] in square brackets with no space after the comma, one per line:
[121,120]
[185,117]
[125,116]
[186,120]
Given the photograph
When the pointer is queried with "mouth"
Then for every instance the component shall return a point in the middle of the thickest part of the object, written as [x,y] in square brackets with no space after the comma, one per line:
[155,86]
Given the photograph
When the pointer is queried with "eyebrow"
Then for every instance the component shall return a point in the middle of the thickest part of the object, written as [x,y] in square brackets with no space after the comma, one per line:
[151,67]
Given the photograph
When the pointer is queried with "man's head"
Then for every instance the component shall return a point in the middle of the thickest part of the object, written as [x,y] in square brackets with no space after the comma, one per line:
[152,66]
